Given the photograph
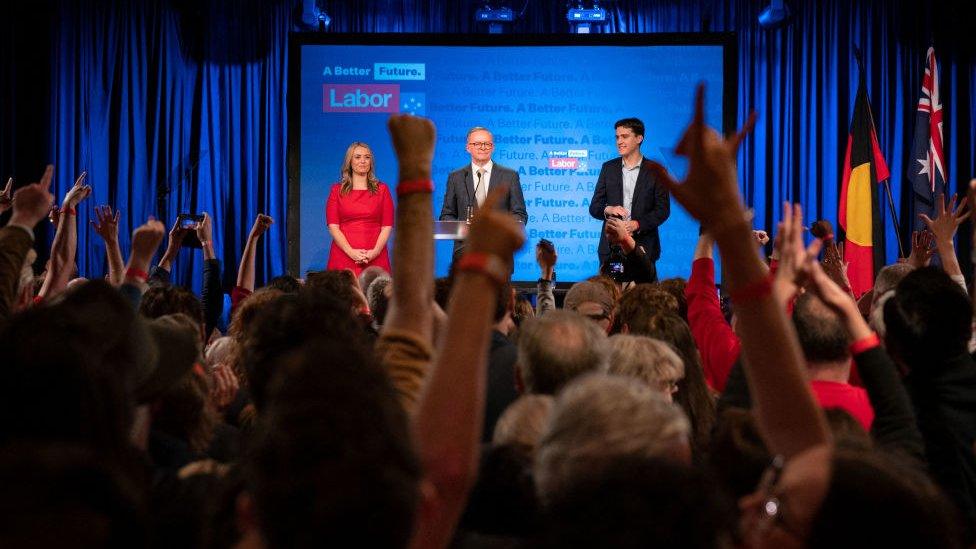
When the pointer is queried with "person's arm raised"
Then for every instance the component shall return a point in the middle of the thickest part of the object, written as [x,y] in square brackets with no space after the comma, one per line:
[31,204]
[785,408]
[65,243]
[145,240]
[106,226]
[449,421]
[944,227]
[161,273]
[245,272]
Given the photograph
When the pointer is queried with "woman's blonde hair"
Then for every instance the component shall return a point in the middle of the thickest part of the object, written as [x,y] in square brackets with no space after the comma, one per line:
[345,174]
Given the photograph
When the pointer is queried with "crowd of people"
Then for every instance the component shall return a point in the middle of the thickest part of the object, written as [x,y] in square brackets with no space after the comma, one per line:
[394,409]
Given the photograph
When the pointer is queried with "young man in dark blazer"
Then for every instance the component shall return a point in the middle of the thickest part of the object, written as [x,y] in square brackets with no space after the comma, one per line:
[627,189]
[469,185]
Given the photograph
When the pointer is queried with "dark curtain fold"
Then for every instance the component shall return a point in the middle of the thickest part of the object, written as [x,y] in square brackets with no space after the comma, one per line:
[164,99]
[167,119]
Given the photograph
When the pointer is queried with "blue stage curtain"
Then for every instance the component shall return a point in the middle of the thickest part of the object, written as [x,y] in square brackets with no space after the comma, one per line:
[130,107]
[133,107]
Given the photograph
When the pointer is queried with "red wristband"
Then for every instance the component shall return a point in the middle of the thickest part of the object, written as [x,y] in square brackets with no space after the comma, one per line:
[415,186]
[132,272]
[69,211]
[866,343]
[486,264]
[754,290]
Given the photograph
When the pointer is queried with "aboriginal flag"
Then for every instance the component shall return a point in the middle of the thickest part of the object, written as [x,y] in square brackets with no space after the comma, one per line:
[860,214]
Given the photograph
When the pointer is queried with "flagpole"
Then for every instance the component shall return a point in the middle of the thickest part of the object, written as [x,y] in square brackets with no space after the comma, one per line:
[894,218]
[891,201]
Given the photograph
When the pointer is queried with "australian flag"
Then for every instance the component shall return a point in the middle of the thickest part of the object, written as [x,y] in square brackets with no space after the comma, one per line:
[926,168]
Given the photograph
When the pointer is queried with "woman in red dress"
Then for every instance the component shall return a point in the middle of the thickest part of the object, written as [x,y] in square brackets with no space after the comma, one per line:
[359,214]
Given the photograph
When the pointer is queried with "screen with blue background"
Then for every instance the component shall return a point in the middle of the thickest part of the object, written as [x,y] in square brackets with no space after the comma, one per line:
[551,110]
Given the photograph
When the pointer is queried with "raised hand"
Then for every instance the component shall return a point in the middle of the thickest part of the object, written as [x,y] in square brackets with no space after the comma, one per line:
[546,258]
[947,219]
[32,203]
[78,192]
[261,225]
[922,249]
[7,196]
[225,386]
[710,191]
[618,233]
[761,237]
[795,259]
[413,139]
[145,240]
[176,235]
[205,229]
[106,225]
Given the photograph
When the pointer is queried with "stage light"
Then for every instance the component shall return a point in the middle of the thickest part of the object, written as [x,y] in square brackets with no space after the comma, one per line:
[581,18]
[314,18]
[495,16]
[774,16]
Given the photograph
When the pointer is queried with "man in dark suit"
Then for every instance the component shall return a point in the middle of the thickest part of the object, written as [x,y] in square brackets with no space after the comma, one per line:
[627,189]
[468,186]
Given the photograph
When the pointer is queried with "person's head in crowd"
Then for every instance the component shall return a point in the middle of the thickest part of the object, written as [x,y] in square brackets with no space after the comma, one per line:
[873,500]
[523,309]
[635,501]
[249,309]
[824,339]
[340,283]
[649,360]
[378,295]
[592,300]
[223,350]
[861,499]
[676,287]
[168,299]
[927,321]
[598,419]
[288,325]
[693,394]
[737,454]
[74,283]
[557,347]
[370,274]
[847,431]
[887,280]
[610,284]
[244,317]
[71,370]
[285,283]
[332,463]
[177,389]
[640,303]
[503,307]
[57,494]
[503,506]
[120,338]
[521,424]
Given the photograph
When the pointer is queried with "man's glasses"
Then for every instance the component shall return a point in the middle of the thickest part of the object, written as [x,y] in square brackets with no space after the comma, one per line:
[482,145]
